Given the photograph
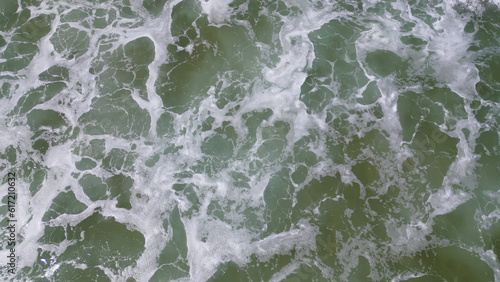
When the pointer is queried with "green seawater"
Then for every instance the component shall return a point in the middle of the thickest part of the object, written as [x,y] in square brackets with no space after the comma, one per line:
[232,140]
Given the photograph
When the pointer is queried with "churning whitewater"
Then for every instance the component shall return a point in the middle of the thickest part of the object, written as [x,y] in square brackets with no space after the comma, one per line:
[250,140]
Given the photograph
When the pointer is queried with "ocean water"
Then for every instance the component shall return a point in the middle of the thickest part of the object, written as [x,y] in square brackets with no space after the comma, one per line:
[232,140]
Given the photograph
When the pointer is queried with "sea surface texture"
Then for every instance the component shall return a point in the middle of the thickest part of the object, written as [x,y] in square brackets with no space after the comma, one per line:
[251,140]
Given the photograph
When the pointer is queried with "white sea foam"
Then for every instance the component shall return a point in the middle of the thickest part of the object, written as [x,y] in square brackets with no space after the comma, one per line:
[213,241]
[475,5]
[218,11]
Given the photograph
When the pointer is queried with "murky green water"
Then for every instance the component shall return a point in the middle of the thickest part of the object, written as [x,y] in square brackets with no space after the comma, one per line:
[251,140]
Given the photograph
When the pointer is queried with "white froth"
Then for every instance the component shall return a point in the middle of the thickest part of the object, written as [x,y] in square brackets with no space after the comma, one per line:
[450,58]
[218,11]
[446,200]
[408,238]
[213,241]
[475,5]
